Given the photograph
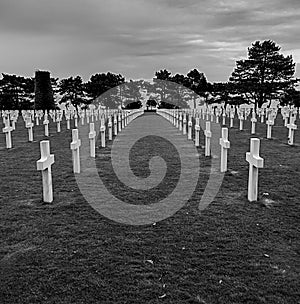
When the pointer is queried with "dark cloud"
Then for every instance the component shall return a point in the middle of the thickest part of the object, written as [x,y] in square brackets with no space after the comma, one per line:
[137,37]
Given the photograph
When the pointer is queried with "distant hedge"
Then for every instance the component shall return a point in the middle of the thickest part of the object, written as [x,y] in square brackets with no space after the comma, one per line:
[43,91]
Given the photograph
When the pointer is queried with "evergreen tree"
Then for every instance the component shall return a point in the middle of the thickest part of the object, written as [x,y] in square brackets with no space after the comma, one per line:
[265,75]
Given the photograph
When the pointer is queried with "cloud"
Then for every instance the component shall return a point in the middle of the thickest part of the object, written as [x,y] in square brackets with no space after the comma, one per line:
[137,37]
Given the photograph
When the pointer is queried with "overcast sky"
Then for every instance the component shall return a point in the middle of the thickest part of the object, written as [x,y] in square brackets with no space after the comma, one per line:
[138,37]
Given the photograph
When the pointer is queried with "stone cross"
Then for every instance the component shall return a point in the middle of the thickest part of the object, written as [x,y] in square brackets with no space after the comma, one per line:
[68,116]
[180,121]
[115,124]
[76,120]
[225,145]
[88,113]
[207,134]
[126,119]
[218,112]
[46,123]
[82,115]
[58,120]
[285,115]
[119,122]
[123,120]
[92,115]
[262,113]
[292,127]
[75,145]
[224,118]
[197,133]
[52,115]
[212,113]
[102,132]
[14,118]
[184,124]
[92,137]
[207,113]
[96,113]
[255,162]
[37,120]
[7,130]
[109,124]
[270,123]
[29,126]
[44,165]
[253,121]
[231,118]
[190,125]
[177,119]
[241,118]
[202,113]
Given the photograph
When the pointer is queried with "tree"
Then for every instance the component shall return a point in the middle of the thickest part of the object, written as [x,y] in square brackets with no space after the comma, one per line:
[72,90]
[16,92]
[129,105]
[290,97]
[151,103]
[167,105]
[43,91]
[265,75]
[100,83]
[131,91]
[225,92]
[109,84]
[161,84]
[197,82]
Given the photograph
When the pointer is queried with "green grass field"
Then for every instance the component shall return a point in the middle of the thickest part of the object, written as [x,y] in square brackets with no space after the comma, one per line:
[233,252]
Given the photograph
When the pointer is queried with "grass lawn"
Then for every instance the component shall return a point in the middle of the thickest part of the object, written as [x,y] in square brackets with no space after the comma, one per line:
[233,252]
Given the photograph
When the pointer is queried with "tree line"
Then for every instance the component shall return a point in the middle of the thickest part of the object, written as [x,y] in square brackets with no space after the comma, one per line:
[265,75]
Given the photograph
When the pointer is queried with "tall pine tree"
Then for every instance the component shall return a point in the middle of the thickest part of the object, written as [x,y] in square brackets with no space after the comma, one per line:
[265,75]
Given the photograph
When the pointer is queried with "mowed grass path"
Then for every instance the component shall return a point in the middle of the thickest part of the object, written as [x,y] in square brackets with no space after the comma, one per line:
[232,252]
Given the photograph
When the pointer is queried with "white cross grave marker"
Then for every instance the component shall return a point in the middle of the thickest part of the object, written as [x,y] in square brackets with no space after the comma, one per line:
[75,145]
[184,124]
[253,121]
[197,133]
[119,122]
[58,120]
[102,132]
[207,134]
[46,123]
[231,118]
[123,120]
[190,125]
[292,127]
[241,118]
[115,124]
[29,126]
[262,115]
[7,130]
[255,162]
[110,135]
[224,118]
[76,120]
[37,121]
[269,123]
[92,137]
[44,165]
[225,145]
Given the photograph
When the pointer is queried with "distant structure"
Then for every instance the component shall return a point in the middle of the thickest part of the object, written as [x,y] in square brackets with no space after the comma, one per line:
[43,99]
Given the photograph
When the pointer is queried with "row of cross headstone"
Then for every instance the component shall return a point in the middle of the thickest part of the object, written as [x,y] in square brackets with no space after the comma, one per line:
[10,119]
[252,157]
[267,116]
[47,159]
